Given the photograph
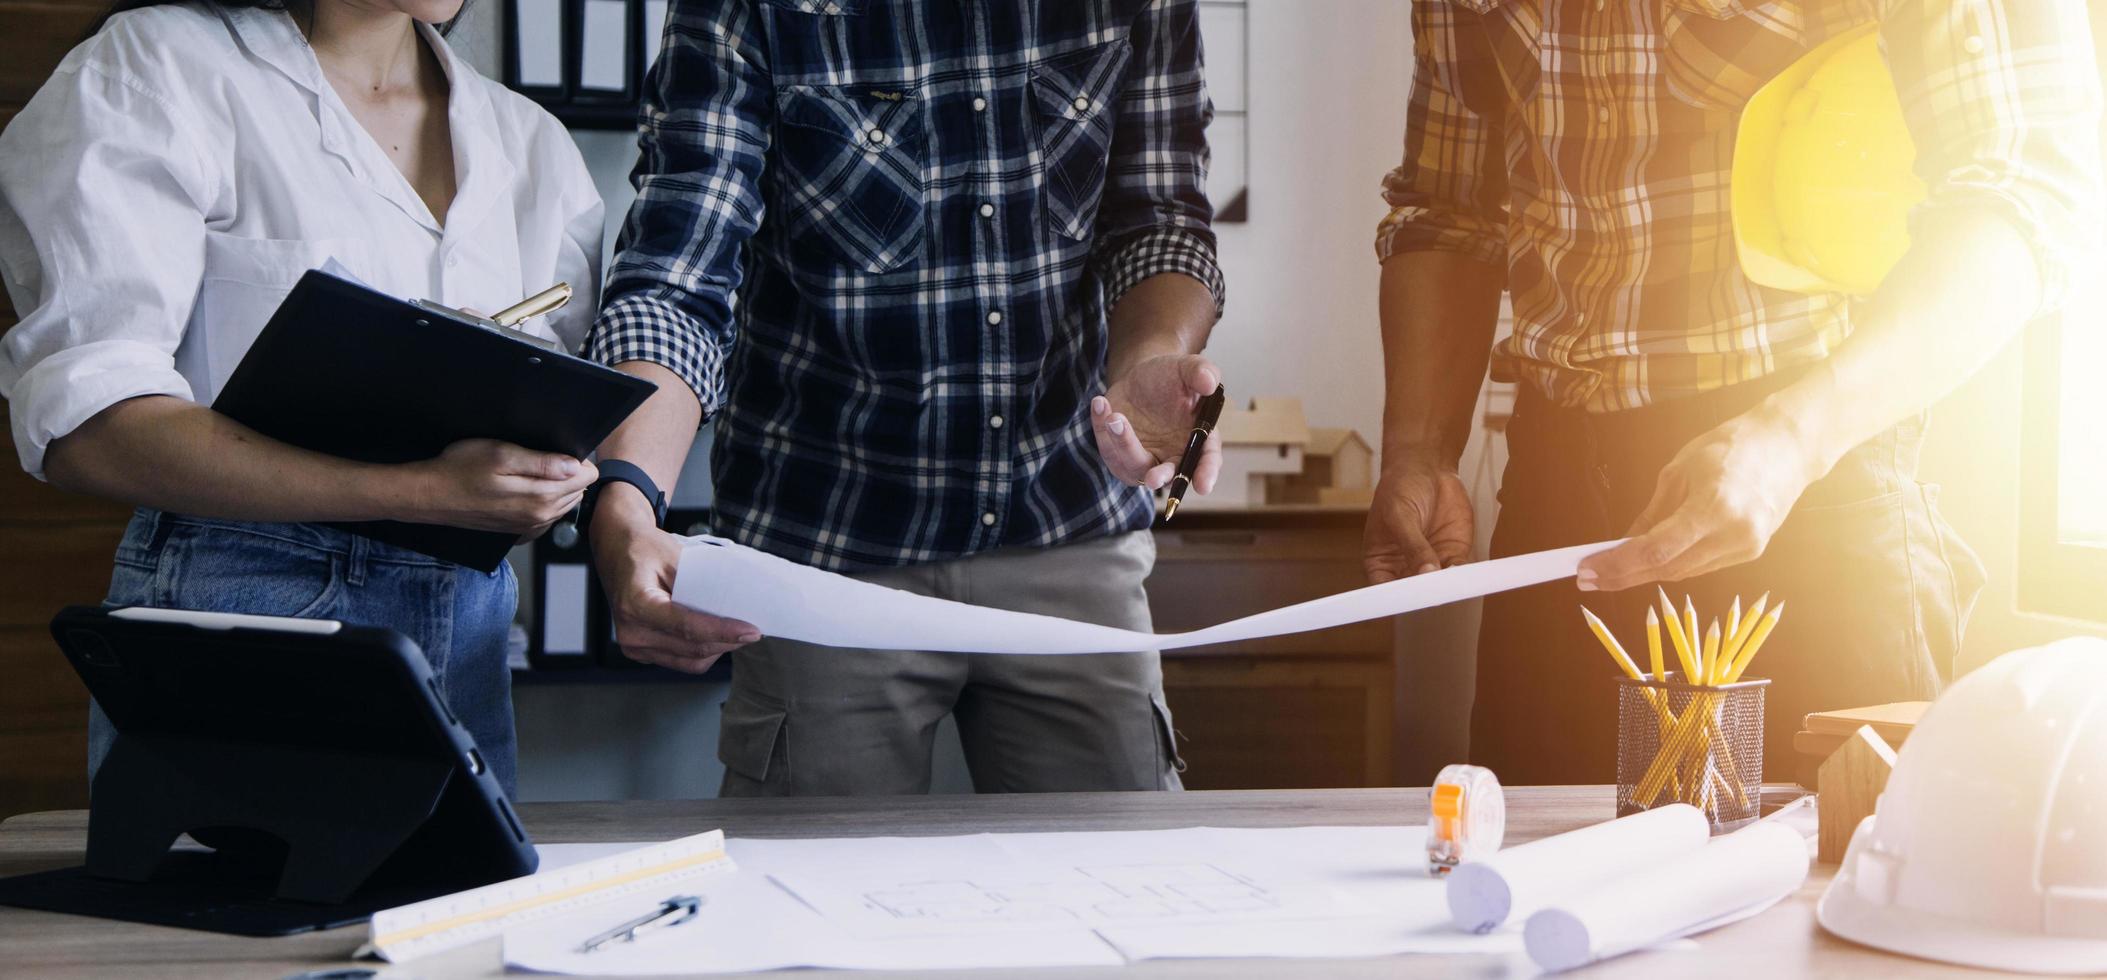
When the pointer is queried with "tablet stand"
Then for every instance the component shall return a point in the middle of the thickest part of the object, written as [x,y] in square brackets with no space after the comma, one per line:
[305,838]
[339,816]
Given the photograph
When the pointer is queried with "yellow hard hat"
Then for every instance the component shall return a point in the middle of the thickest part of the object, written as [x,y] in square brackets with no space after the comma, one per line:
[1822,183]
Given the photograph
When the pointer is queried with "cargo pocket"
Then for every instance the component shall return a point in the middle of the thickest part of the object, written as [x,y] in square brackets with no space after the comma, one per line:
[1074,95]
[849,179]
[1169,762]
[752,739]
[1952,578]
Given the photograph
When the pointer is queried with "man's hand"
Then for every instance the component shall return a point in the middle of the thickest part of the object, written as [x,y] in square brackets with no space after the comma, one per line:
[1420,519]
[1144,419]
[637,563]
[1717,504]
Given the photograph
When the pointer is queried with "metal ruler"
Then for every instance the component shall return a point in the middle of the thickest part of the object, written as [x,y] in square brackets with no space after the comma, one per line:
[449,921]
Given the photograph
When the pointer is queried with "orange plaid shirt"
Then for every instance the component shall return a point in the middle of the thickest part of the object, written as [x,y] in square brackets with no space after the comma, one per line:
[1585,145]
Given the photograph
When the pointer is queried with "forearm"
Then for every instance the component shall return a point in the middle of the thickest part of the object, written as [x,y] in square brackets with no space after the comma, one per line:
[176,455]
[1170,313]
[1438,313]
[657,437]
[1956,299]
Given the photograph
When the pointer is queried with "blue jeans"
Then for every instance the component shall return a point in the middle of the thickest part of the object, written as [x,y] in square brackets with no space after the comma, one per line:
[458,616]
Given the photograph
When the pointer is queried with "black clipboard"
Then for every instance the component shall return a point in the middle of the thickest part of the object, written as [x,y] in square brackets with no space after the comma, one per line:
[349,371]
[315,759]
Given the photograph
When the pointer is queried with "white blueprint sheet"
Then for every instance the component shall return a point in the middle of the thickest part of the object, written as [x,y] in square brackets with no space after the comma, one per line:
[796,602]
[1036,900]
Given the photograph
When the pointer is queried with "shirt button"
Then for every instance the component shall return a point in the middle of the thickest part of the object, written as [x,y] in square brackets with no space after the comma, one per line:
[1082,103]
[995,422]
[1602,114]
[877,137]
[994,317]
[988,519]
[980,104]
[1973,44]
[987,210]
[452,261]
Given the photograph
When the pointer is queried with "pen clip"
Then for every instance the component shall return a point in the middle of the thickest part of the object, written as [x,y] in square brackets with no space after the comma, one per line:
[671,912]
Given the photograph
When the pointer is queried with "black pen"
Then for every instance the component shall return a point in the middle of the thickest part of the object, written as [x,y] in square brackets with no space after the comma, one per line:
[1210,413]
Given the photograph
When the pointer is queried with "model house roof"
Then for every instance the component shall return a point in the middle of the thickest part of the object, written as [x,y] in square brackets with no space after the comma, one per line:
[1267,421]
[1328,441]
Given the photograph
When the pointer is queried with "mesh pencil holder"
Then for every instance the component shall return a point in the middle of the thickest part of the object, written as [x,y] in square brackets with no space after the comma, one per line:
[1682,743]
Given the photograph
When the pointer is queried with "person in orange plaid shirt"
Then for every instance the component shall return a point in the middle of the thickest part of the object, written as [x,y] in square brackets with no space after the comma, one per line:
[1577,154]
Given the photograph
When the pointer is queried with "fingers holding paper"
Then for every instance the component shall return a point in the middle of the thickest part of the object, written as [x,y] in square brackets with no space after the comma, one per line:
[1717,504]
[650,627]
[1419,521]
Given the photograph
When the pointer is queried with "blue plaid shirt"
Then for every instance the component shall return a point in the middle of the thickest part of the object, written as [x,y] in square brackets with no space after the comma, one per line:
[925,209]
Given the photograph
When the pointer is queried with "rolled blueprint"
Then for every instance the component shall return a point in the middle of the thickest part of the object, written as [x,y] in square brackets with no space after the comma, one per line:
[1735,876]
[1511,884]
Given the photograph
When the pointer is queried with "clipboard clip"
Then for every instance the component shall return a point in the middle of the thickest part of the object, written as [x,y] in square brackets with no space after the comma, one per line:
[506,321]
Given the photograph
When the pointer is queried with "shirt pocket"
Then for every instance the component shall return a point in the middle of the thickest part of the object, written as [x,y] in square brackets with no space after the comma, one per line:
[1715,54]
[245,281]
[849,173]
[1073,96]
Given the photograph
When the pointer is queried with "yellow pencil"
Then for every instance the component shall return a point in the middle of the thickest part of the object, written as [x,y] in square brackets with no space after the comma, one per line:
[1653,642]
[1653,698]
[1712,667]
[1690,630]
[1755,643]
[1733,621]
[1677,637]
[1736,639]
[1610,643]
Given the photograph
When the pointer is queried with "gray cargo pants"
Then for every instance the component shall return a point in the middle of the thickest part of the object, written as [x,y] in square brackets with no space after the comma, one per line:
[806,720]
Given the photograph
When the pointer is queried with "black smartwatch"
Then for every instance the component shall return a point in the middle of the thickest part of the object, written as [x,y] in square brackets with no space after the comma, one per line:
[621,471]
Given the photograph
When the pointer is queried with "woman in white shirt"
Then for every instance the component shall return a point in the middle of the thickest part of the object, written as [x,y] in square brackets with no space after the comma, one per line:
[158,199]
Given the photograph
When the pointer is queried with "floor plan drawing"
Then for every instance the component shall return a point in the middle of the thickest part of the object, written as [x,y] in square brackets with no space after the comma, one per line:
[1094,894]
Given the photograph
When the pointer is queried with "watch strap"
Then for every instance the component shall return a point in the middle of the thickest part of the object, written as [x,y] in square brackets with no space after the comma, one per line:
[623,471]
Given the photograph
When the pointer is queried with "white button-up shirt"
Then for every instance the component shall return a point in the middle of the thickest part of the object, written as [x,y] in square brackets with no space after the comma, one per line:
[181,170]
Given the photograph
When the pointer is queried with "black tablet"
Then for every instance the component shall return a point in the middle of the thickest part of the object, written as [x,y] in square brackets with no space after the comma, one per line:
[317,762]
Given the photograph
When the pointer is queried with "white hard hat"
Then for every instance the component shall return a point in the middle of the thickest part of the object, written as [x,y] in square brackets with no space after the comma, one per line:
[1989,845]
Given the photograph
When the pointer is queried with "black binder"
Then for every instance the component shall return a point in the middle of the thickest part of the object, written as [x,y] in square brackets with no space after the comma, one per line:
[346,370]
[317,760]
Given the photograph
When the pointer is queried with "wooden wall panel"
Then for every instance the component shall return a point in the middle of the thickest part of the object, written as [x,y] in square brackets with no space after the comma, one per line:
[38,34]
[55,551]
[43,725]
[54,546]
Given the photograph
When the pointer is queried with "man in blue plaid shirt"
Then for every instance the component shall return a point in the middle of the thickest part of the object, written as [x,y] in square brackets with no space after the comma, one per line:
[974,272]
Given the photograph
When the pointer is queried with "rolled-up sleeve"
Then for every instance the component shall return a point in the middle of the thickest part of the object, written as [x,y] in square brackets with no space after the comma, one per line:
[1449,193]
[704,137]
[2003,102]
[103,197]
[1155,216]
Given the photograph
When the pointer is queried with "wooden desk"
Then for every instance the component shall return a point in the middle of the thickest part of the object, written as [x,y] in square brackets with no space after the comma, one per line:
[1783,942]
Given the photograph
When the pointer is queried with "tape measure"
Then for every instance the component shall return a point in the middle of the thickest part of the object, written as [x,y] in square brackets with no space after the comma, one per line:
[1466,817]
[427,927]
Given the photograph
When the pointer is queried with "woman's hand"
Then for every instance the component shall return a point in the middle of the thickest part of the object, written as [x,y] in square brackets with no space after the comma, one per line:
[487,485]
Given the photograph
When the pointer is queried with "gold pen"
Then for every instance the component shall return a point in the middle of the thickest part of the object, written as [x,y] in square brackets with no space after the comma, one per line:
[547,301]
